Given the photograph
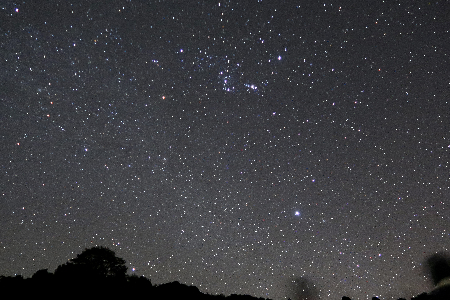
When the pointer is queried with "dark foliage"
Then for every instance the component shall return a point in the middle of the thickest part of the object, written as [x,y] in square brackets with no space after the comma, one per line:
[176,290]
[439,267]
[42,276]
[96,262]
[98,273]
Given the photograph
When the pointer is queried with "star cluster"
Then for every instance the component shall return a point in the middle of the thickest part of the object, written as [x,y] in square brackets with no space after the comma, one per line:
[233,146]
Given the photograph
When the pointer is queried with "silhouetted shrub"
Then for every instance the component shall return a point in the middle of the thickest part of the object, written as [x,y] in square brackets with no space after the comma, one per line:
[439,267]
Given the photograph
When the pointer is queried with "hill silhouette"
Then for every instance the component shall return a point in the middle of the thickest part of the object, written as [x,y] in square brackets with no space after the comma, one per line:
[97,273]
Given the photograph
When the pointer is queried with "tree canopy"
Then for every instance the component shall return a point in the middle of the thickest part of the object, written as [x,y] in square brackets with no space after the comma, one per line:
[97,262]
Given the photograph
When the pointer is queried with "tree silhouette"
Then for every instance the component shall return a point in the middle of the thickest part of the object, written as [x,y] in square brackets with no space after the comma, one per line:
[439,267]
[42,275]
[96,262]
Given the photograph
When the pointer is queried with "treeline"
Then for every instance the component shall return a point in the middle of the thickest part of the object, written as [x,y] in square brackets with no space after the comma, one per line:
[45,285]
[97,273]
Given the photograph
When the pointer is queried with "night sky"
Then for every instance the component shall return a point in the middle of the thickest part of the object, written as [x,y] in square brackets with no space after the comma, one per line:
[248,147]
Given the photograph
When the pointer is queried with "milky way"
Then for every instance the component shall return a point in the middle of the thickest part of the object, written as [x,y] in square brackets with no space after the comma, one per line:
[246,147]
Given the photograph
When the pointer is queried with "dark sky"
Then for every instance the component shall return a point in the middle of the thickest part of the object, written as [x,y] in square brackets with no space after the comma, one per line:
[249,147]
